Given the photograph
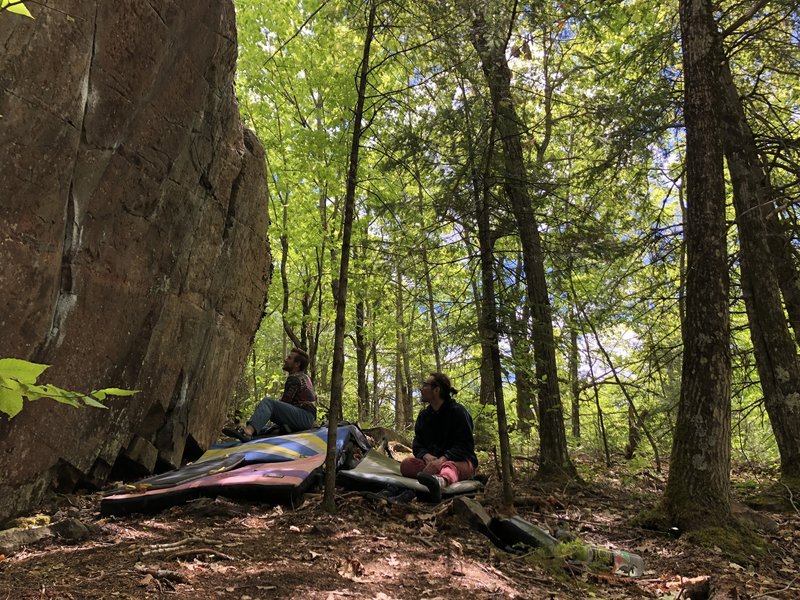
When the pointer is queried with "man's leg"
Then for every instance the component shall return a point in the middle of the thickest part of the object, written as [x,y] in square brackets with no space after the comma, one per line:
[411,467]
[262,414]
[454,471]
[290,416]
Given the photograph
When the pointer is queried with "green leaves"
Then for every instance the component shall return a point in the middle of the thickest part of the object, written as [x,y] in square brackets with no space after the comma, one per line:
[18,383]
[15,6]
[24,371]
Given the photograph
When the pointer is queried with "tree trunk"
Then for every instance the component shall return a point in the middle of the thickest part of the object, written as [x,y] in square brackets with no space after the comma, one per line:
[521,359]
[635,426]
[554,461]
[489,334]
[428,283]
[402,413]
[361,364]
[574,383]
[775,349]
[408,390]
[375,398]
[256,395]
[631,406]
[337,375]
[698,488]
[399,403]
[284,239]
[784,260]
[486,374]
[431,310]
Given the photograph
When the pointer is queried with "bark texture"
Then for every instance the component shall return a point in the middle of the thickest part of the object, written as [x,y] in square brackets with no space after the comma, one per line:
[774,347]
[555,462]
[698,488]
[133,220]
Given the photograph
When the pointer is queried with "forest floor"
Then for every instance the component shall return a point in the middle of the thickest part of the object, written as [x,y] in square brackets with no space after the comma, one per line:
[219,548]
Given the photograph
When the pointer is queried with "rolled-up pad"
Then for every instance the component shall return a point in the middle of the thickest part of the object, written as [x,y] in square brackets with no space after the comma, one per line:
[376,471]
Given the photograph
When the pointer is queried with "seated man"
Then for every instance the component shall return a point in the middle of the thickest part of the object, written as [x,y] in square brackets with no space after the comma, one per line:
[444,448]
[295,411]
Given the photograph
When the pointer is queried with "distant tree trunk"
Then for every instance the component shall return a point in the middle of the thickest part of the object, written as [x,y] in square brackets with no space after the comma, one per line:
[635,426]
[486,374]
[256,395]
[284,240]
[555,462]
[314,338]
[361,364]
[601,424]
[408,391]
[489,337]
[623,388]
[306,303]
[521,359]
[402,413]
[698,487]
[313,345]
[426,267]
[574,383]
[312,287]
[431,309]
[375,397]
[337,375]
[775,349]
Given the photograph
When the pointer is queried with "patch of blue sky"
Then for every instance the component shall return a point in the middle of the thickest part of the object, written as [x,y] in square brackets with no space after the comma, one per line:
[569,30]
[416,77]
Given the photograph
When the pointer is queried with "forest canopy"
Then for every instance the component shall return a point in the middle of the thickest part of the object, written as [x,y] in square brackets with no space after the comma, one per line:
[525,186]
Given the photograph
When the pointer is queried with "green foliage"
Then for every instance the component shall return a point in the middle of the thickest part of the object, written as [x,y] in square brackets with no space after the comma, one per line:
[18,383]
[15,6]
[598,89]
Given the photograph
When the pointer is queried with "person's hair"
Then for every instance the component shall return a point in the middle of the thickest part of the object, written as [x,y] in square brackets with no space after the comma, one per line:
[301,357]
[442,381]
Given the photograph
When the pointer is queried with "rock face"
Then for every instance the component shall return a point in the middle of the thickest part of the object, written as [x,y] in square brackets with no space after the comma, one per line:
[133,221]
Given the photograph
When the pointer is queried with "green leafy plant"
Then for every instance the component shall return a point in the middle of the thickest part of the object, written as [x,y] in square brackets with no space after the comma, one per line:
[15,6]
[18,383]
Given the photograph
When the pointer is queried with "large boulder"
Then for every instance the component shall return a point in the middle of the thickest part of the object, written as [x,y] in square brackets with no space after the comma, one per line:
[133,226]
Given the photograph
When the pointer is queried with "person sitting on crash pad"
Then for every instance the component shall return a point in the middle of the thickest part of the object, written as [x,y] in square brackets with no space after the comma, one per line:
[444,447]
[295,411]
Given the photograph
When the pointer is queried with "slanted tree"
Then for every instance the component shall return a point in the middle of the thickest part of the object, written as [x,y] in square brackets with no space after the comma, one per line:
[490,40]
[489,329]
[774,348]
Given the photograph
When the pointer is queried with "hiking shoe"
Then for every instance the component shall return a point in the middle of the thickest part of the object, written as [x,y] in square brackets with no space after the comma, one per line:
[238,433]
[389,491]
[404,497]
[434,483]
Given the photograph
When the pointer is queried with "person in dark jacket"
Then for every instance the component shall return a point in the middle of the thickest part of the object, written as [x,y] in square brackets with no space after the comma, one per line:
[444,447]
[294,411]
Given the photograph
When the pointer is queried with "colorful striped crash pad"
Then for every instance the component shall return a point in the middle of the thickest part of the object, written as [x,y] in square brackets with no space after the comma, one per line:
[276,469]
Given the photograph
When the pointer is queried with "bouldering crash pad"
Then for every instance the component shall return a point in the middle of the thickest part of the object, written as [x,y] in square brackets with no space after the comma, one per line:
[277,470]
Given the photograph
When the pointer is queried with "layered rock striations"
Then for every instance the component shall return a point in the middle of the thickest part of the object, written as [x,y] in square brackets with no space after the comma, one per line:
[133,220]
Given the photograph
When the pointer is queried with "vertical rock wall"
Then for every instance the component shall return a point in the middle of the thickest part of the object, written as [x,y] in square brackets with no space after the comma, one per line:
[133,220]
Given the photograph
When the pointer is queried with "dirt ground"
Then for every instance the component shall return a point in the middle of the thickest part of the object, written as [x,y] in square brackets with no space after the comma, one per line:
[220,548]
